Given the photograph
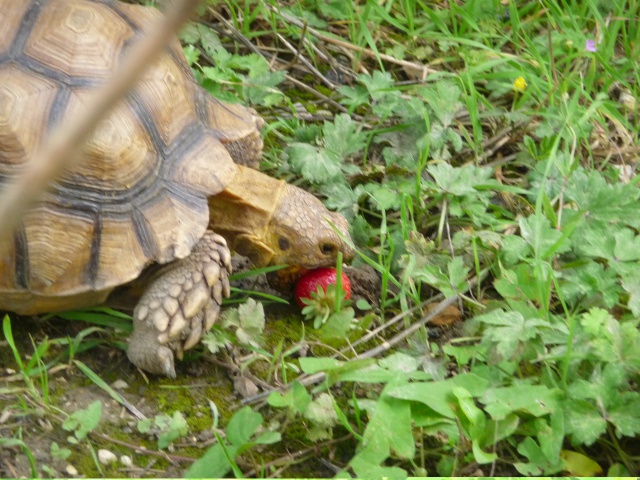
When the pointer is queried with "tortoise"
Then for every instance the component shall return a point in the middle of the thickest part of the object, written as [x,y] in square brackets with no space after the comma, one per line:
[166,188]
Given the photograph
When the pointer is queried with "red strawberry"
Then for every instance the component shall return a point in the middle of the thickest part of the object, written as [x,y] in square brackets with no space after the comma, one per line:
[320,277]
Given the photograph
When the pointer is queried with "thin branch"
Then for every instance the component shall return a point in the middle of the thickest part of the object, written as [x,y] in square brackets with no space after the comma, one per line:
[305,62]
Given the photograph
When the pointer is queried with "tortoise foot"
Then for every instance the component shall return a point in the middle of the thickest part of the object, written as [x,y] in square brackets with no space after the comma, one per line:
[180,305]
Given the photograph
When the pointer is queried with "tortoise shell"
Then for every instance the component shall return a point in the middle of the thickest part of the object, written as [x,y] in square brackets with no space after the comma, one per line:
[139,194]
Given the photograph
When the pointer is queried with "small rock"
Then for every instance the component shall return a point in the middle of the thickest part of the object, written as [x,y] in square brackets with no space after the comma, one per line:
[71,470]
[245,387]
[106,457]
[448,316]
[626,172]
[366,284]
[10,371]
[126,461]
[5,415]
[119,384]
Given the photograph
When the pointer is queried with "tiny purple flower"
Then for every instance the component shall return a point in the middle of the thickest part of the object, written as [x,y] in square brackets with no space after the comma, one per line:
[590,45]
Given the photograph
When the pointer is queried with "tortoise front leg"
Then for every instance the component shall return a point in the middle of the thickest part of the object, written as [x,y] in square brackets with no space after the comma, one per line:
[179,306]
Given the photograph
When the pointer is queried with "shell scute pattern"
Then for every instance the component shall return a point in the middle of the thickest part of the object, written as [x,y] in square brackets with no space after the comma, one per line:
[139,195]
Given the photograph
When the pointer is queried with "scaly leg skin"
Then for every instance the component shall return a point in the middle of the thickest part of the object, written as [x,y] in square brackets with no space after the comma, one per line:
[179,306]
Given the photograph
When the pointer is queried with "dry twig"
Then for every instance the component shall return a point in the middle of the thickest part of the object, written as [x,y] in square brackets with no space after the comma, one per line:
[349,46]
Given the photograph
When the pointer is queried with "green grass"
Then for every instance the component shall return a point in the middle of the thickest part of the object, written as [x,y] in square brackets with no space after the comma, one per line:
[516,201]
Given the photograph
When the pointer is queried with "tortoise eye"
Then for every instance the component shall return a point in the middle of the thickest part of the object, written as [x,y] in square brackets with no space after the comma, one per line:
[283,243]
[328,249]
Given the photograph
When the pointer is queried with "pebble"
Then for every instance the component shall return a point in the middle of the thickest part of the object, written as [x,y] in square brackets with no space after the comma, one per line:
[106,457]
[71,470]
[5,415]
[126,461]
[245,387]
[120,384]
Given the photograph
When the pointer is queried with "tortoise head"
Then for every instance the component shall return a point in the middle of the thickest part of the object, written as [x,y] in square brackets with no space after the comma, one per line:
[302,232]
[274,223]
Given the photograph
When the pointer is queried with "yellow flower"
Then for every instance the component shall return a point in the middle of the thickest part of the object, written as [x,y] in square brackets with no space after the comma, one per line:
[519,84]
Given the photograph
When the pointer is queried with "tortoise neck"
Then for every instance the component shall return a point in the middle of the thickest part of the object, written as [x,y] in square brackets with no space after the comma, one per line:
[241,213]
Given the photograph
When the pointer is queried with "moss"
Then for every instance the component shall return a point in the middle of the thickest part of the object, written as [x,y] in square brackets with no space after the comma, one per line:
[186,394]
[193,403]
[283,324]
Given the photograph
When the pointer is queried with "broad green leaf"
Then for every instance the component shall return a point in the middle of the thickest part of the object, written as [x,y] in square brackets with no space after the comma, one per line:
[390,428]
[509,331]
[583,422]
[318,364]
[312,162]
[400,363]
[338,324]
[538,463]
[457,274]
[475,422]
[341,197]
[551,434]
[175,428]
[604,202]
[297,398]
[384,197]
[626,416]
[260,89]
[519,283]
[591,281]
[580,465]
[459,181]
[250,323]
[536,400]
[213,464]
[334,367]
[267,438]
[463,355]
[631,284]
[514,249]
[530,449]
[369,374]
[596,322]
[378,85]
[242,426]
[83,421]
[335,134]
[365,468]
[354,96]
[497,430]
[444,99]
[538,232]
[321,411]
[438,395]
[60,453]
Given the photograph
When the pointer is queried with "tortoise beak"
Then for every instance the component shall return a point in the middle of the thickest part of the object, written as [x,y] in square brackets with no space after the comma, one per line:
[285,279]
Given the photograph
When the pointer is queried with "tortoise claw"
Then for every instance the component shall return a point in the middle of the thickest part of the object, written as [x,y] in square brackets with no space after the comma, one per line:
[146,353]
[180,306]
